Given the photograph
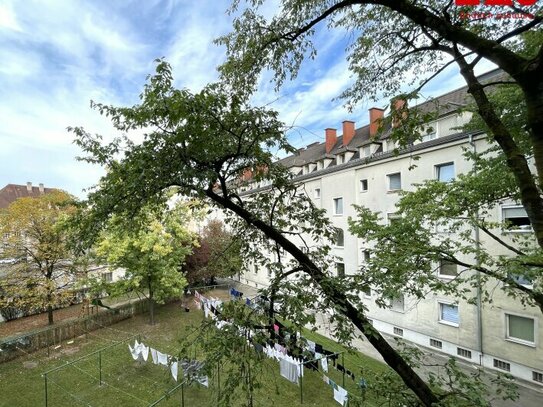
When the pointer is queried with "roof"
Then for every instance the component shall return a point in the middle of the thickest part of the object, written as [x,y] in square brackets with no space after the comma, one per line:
[442,105]
[12,192]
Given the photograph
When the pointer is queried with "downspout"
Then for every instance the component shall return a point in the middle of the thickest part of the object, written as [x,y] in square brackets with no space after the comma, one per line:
[478,276]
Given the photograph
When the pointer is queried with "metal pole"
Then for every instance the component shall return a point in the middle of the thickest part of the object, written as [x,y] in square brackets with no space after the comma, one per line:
[100,365]
[301,384]
[182,394]
[218,382]
[45,383]
[343,363]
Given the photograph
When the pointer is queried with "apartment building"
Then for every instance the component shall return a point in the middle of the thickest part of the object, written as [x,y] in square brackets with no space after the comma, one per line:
[357,168]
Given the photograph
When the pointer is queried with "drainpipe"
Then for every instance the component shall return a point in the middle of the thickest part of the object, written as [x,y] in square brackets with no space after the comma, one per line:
[478,275]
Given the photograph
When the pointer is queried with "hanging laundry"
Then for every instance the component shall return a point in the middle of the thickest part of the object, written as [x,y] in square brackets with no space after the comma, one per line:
[325,379]
[162,358]
[134,352]
[311,346]
[340,395]
[324,364]
[288,370]
[340,367]
[144,352]
[154,356]
[203,380]
[318,347]
[173,369]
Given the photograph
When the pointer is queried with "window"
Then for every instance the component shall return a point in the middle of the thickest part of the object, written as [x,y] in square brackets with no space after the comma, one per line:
[435,343]
[394,181]
[537,377]
[339,159]
[107,277]
[445,172]
[340,238]
[429,136]
[520,329]
[463,352]
[500,364]
[317,193]
[340,269]
[521,279]
[398,331]
[320,165]
[366,151]
[366,291]
[366,254]
[397,303]
[338,206]
[304,249]
[363,185]
[447,269]
[390,145]
[516,218]
[448,314]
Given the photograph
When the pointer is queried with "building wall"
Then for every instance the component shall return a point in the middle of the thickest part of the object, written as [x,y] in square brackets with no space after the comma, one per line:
[419,321]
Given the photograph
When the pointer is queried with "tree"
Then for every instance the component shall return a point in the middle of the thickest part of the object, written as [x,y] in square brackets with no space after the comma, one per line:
[44,271]
[216,138]
[216,255]
[151,252]
[392,40]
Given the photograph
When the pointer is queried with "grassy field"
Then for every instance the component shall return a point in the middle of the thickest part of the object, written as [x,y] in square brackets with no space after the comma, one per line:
[126,382]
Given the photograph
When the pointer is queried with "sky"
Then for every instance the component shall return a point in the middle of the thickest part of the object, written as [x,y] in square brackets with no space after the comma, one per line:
[58,55]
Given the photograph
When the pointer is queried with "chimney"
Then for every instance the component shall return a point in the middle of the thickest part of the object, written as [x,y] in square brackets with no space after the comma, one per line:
[331,139]
[376,115]
[348,132]
[29,187]
[42,190]
[397,104]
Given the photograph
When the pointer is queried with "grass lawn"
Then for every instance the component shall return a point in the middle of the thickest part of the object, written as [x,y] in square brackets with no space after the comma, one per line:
[129,383]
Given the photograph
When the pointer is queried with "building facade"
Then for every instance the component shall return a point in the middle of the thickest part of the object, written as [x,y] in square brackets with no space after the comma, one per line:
[358,169]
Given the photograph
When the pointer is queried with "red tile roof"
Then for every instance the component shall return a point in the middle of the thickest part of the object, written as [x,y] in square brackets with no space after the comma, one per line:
[11,192]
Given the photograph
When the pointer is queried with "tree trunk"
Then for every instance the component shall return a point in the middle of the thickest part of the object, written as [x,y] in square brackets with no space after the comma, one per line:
[50,314]
[151,304]
[411,379]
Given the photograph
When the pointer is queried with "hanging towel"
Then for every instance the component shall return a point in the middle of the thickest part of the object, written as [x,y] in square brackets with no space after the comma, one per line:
[154,356]
[325,379]
[162,358]
[324,364]
[288,370]
[203,380]
[134,352]
[340,395]
[173,368]
[144,351]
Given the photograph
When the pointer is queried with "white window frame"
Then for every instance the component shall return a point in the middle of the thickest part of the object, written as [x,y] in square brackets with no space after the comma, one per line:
[518,340]
[337,238]
[438,166]
[361,183]
[336,269]
[388,181]
[504,219]
[446,276]
[402,311]
[440,303]
[335,206]
[365,294]
[366,151]
[317,193]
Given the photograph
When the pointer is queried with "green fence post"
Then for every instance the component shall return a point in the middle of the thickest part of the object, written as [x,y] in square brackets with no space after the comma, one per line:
[182,394]
[45,383]
[218,382]
[343,363]
[100,365]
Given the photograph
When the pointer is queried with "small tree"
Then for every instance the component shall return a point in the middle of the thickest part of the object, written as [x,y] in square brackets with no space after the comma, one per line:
[43,272]
[150,250]
[217,255]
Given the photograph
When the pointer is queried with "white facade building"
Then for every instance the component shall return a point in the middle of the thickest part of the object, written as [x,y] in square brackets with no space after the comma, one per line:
[355,169]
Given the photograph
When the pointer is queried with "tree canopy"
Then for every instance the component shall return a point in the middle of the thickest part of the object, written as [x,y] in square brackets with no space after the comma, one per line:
[43,271]
[151,254]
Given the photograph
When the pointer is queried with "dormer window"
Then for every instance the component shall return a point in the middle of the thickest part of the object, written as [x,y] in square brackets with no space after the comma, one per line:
[340,159]
[366,151]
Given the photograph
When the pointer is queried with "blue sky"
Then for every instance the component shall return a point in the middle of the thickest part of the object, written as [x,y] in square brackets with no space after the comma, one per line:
[57,55]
